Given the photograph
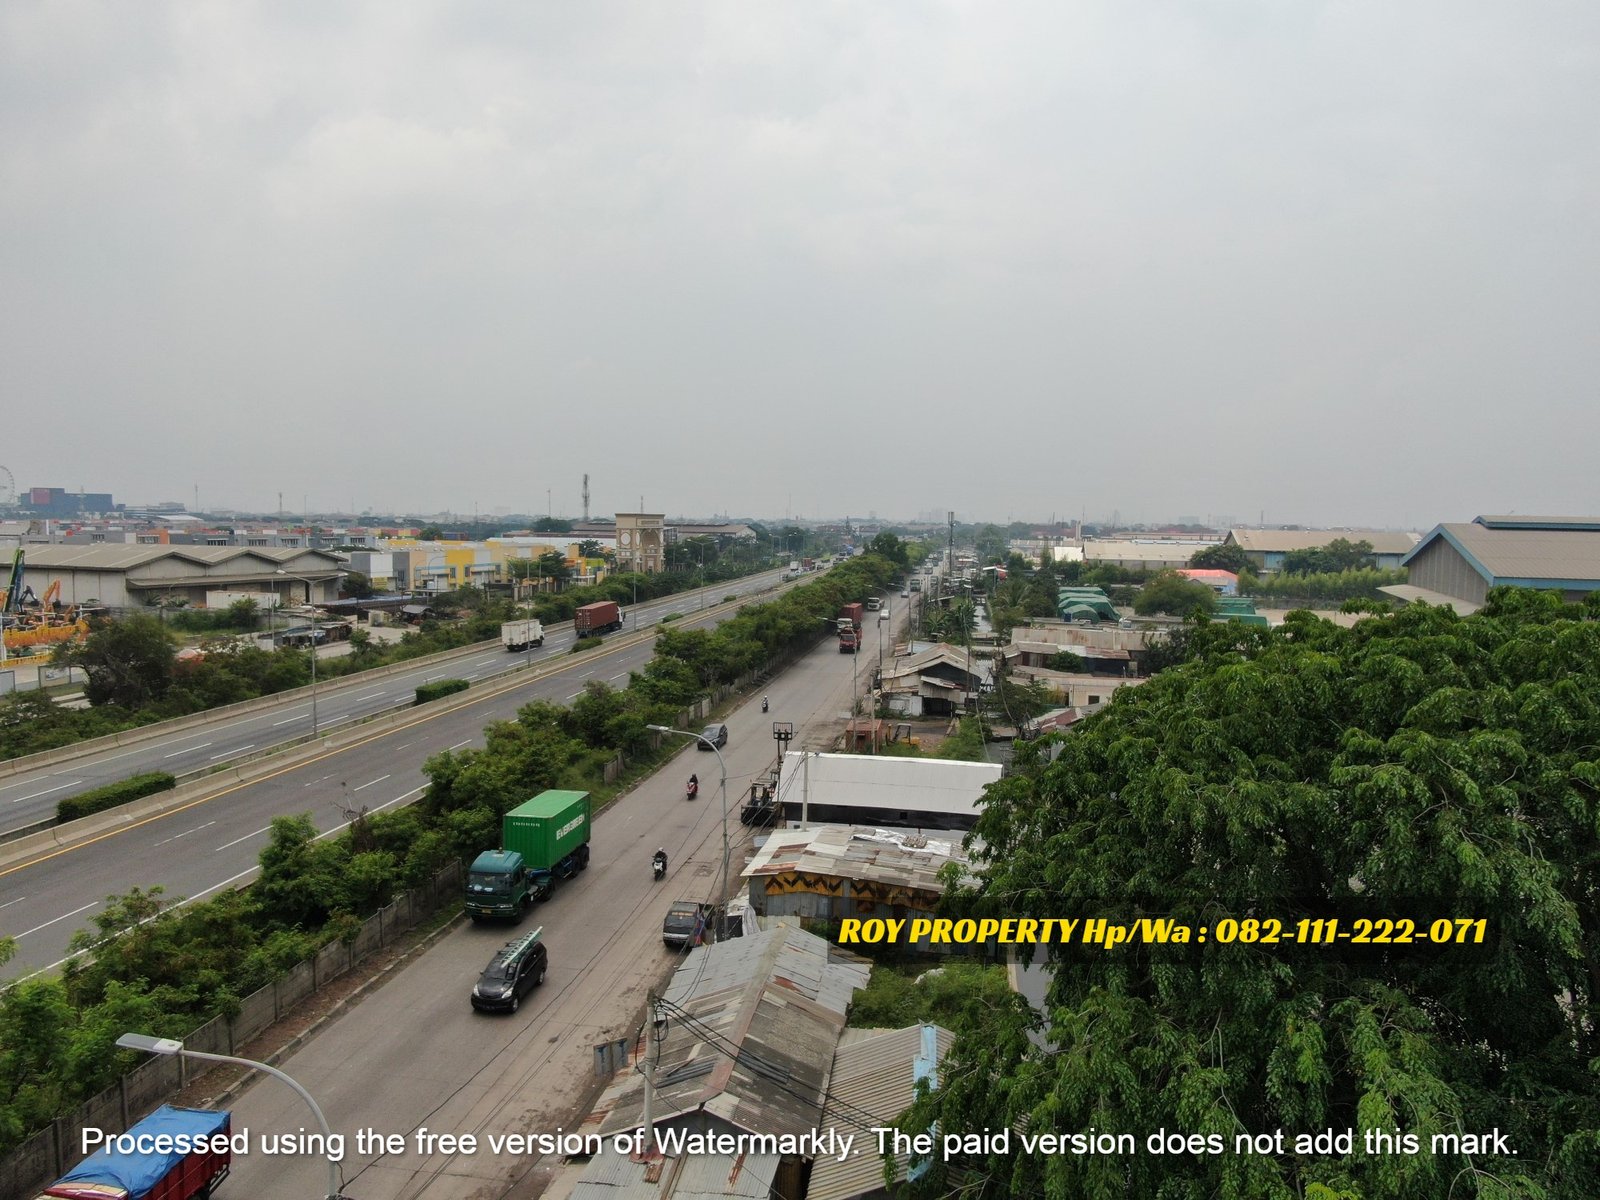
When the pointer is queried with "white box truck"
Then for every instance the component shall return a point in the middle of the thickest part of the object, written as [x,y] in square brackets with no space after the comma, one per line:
[519,635]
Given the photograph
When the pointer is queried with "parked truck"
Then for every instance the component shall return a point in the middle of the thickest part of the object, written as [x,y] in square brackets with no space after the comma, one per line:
[196,1156]
[601,617]
[850,618]
[541,840]
[517,636]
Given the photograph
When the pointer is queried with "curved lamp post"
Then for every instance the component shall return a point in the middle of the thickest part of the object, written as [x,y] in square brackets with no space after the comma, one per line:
[155,1045]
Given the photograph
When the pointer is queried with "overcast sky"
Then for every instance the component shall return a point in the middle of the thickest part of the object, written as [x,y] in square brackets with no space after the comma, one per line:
[1334,261]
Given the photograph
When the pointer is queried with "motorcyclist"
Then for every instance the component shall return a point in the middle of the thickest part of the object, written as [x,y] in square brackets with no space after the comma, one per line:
[694,785]
[763,704]
[659,861]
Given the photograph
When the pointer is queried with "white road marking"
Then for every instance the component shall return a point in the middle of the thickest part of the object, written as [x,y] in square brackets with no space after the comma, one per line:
[369,695]
[245,838]
[403,745]
[185,833]
[369,783]
[286,720]
[335,721]
[624,675]
[235,750]
[574,695]
[186,750]
[458,745]
[46,792]
[9,903]
[62,917]
[317,780]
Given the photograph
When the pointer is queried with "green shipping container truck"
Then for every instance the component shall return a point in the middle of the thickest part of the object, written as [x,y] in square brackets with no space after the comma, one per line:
[541,840]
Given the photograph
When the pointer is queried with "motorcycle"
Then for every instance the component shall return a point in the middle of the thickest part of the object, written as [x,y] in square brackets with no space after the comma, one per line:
[763,704]
[693,791]
[658,864]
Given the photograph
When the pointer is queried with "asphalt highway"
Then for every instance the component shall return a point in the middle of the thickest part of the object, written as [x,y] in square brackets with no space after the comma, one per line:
[193,851]
[412,1057]
[31,796]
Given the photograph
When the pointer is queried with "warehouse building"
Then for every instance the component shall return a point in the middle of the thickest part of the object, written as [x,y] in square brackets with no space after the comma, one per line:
[1457,564]
[133,577]
[1267,548]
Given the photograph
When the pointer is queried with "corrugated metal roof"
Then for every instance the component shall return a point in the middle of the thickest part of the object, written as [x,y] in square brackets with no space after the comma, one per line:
[1534,555]
[1162,552]
[1409,593]
[858,852]
[612,1176]
[763,1015]
[879,781]
[123,556]
[1282,541]
[872,1074]
[1512,521]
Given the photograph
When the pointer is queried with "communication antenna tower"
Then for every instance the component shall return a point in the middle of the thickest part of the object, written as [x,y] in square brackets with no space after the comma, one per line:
[586,497]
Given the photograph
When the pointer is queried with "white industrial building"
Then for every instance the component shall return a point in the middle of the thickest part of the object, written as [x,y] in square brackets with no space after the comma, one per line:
[132,577]
[900,793]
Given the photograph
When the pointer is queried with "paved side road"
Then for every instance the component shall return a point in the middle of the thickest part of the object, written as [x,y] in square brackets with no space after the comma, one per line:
[413,1055]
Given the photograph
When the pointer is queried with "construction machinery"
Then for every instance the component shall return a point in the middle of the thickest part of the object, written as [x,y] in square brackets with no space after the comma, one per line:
[27,621]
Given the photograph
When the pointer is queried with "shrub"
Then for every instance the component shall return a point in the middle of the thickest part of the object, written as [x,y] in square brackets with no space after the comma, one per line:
[440,688]
[586,643]
[101,798]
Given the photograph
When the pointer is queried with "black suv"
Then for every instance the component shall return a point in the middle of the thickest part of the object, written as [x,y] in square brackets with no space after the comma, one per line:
[516,969]
[717,735]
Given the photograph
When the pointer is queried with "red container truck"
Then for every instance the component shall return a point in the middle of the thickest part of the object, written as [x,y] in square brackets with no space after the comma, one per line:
[850,618]
[600,617]
[174,1154]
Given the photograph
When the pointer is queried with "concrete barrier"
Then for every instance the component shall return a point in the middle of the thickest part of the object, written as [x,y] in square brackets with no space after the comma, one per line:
[227,712]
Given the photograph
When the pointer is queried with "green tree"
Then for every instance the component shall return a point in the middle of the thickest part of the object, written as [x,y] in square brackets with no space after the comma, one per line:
[1224,557]
[1416,766]
[1171,593]
[891,549]
[128,662]
[357,585]
[1340,554]
[589,548]
[553,565]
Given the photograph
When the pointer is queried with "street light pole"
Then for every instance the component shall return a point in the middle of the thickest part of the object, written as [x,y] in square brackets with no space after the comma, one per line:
[155,1045]
[722,895]
[314,631]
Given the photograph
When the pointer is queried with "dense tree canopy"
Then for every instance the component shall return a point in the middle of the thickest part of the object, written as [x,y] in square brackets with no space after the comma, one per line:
[1171,593]
[1418,765]
[1341,554]
[1226,556]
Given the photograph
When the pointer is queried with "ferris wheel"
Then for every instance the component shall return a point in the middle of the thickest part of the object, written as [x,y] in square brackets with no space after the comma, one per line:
[8,488]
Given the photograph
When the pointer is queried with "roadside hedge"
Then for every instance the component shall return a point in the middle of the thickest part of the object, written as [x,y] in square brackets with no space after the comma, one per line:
[440,688]
[101,798]
[586,643]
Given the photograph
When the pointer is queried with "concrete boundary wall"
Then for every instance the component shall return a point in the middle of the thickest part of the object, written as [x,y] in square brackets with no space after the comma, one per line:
[55,1149]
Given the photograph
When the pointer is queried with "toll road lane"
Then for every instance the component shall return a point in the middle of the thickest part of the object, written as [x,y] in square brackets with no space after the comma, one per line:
[49,886]
[31,795]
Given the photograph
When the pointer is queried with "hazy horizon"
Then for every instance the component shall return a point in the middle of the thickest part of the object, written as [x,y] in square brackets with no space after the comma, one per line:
[1331,261]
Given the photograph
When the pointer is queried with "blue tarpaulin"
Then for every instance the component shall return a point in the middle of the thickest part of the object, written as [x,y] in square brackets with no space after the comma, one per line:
[137,1174]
